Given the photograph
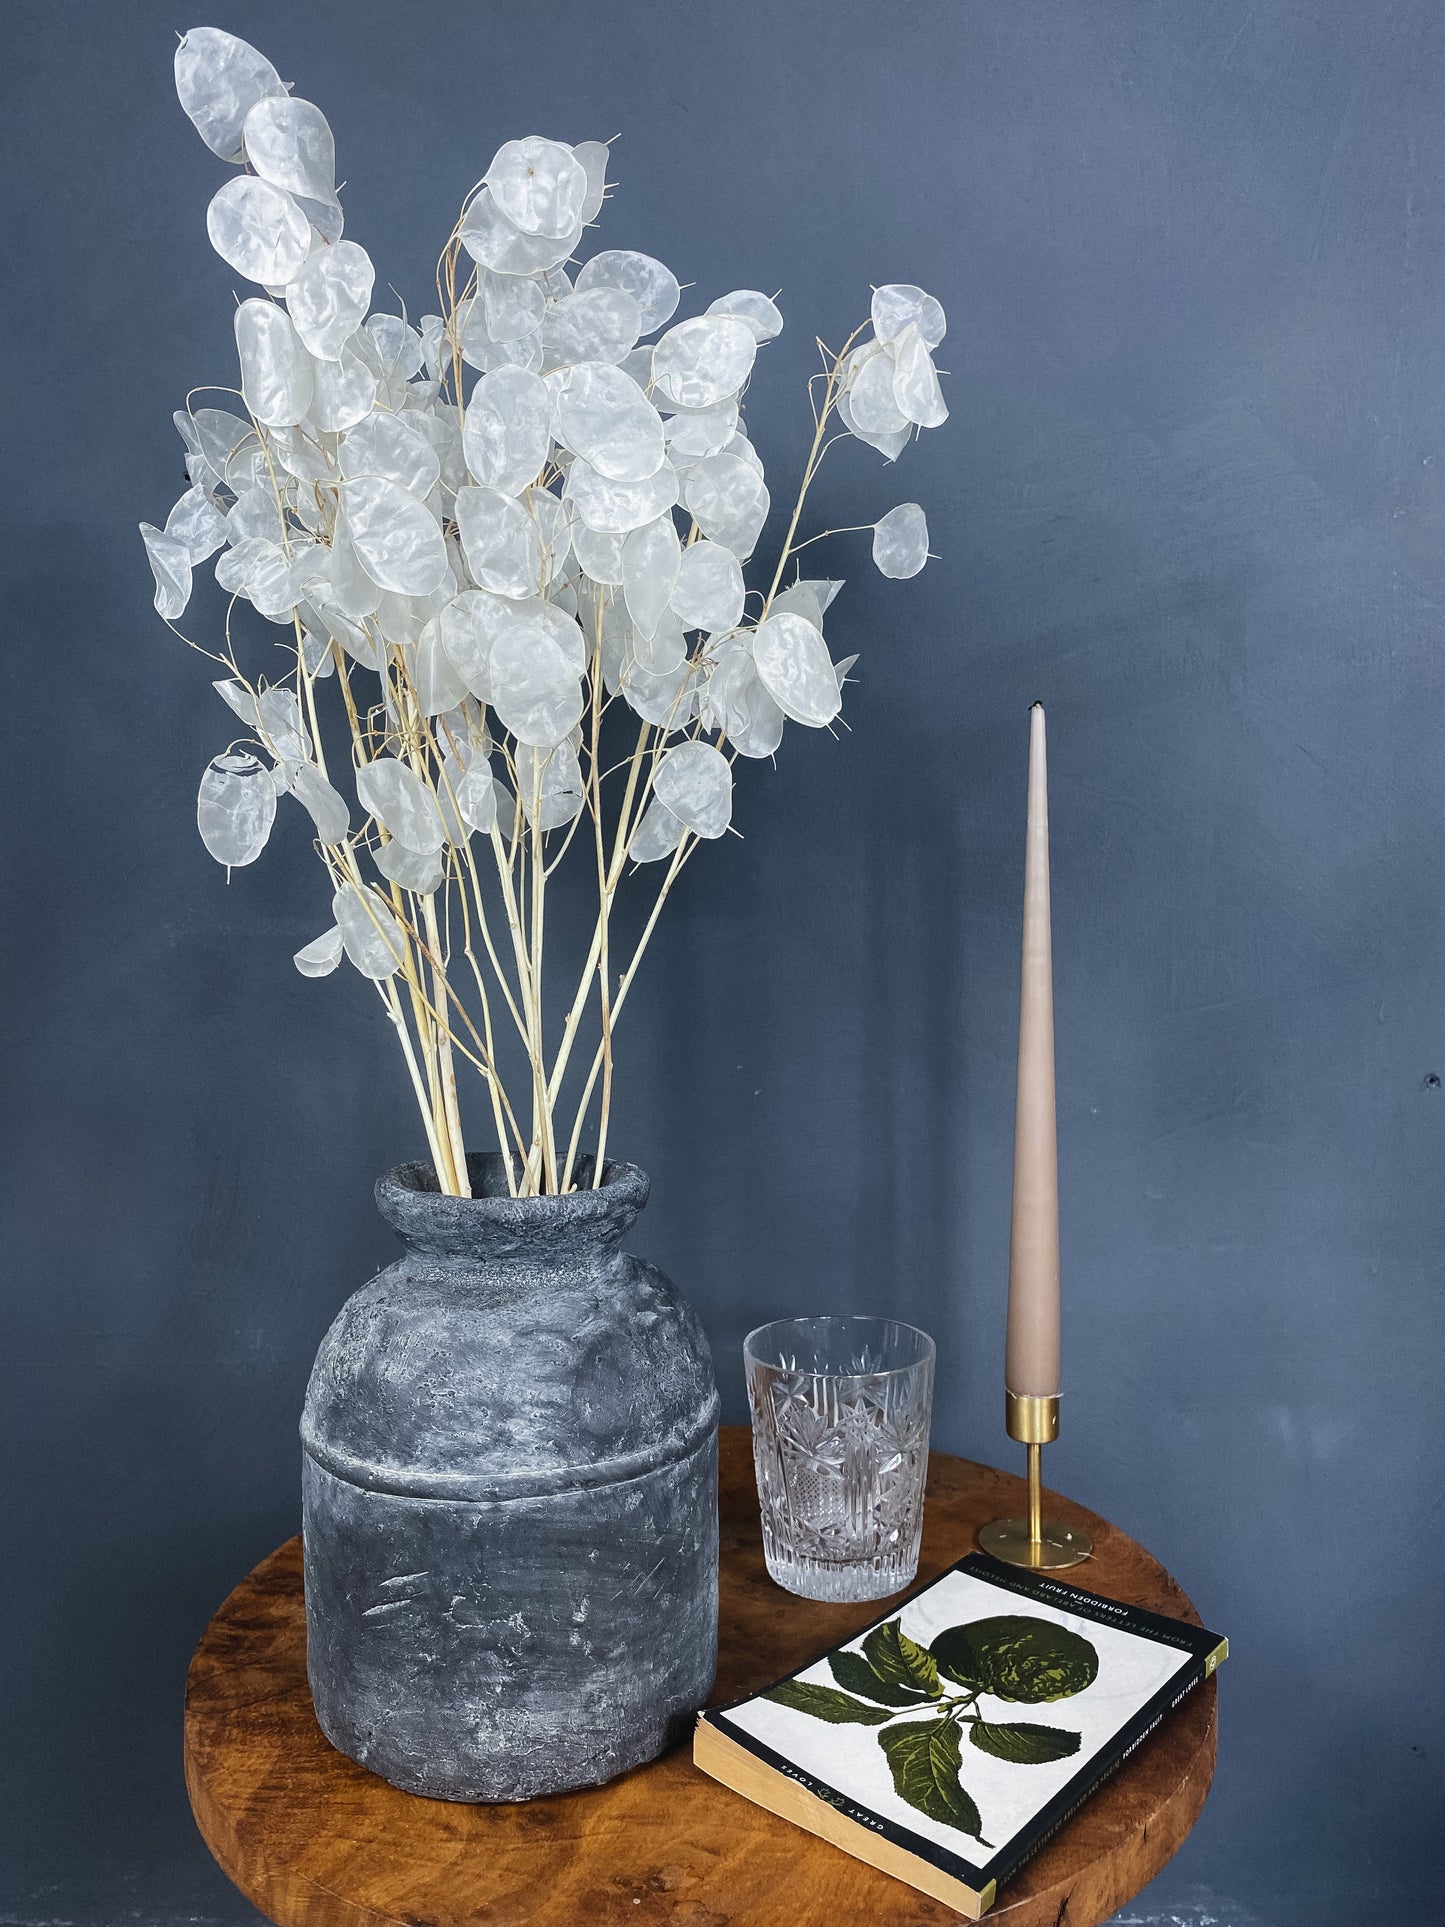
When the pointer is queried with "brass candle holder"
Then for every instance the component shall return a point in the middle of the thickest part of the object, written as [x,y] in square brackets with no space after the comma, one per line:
[1040,1543]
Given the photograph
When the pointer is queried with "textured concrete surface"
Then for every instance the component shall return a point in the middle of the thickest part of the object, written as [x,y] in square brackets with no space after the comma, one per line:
[510,1497]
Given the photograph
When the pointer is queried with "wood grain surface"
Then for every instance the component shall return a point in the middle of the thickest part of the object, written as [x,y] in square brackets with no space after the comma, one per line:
[315,1841]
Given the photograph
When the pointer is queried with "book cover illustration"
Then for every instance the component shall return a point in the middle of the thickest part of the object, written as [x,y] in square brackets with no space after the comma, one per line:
[959,1723]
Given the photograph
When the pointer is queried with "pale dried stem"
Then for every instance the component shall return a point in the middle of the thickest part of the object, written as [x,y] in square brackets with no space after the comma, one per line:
[446,1070]
[393,1005]
[543,1160]
[619,855]
[684,850]
[810,468]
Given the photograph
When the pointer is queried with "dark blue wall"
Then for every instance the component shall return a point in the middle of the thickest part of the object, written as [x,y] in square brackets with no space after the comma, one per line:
[1192,495]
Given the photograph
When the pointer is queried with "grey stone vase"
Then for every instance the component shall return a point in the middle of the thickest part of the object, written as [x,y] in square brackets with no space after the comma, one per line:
[510,1496]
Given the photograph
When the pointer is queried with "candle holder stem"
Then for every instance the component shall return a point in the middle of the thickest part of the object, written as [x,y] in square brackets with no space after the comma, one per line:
[1036,1495]
[1041,1544]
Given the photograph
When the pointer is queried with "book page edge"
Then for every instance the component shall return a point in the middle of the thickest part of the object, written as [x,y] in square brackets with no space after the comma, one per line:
[722,1759]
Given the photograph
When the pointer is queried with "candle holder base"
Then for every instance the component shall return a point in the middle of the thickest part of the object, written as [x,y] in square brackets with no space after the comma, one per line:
[1043,1545]
[1057,1545]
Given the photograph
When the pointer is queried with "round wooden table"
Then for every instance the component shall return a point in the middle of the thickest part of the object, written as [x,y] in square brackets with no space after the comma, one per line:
[316,1841]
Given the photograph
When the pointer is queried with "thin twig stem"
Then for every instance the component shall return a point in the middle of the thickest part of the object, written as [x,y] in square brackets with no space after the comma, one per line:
[684,850]
[810,469]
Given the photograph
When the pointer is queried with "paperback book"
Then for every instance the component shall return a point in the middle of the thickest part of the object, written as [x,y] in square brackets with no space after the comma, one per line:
[949,1740]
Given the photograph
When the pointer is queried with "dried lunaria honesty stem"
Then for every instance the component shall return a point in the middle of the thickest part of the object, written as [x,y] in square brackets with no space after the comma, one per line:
[486,538]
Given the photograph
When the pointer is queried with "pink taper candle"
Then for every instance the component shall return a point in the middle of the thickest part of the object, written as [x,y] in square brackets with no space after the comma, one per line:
[1031,1365]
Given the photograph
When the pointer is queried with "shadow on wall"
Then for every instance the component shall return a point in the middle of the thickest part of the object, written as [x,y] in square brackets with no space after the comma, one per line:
[803,1011]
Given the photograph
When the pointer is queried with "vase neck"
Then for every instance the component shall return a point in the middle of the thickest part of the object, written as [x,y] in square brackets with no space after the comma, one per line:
[492,1226]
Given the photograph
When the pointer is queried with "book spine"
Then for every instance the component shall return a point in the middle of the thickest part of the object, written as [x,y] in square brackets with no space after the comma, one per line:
[1200,1672]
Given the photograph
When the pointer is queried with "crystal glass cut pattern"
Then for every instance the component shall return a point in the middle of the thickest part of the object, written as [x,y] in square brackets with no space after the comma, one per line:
[841,1412]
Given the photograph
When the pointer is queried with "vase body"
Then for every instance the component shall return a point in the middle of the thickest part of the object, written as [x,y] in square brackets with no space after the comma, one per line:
[510,1496]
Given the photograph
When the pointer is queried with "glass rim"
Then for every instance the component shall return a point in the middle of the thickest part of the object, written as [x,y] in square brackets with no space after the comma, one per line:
[928,1351]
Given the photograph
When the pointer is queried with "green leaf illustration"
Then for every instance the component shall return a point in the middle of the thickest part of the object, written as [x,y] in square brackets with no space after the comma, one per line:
[1016,1658]
[901,1660]
[822,1703]
[854,1672]
[924,1758]
[1022,1743]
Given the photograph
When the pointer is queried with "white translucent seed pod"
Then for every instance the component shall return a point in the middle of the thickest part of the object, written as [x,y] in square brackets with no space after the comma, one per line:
[475,791]
[370,933]
[170,560]
[277,374]
[592,157]
[394,535]
[258,230]
[438,683]
[282,727]
[761,313]
[600,555]
[657,835]
[466,628]
[344,390]
[603,416]
[235,809]
[729,502]
[392,448]
[539,186]
[873,408]
[549,784]
[695,782]
[402,803]
[700,362]
[508,429]
[328,297]
[197,524]
[513,305]
[915,381]
[693,437]
[668,699]
[796,670]
[501,542]
[900,541]
[651,558]
[421,871]
[494,242]
[738,704]
[289,143]
[616,508]
[709,590]
[326,805]
[321,956]
[597,324]
[219,80]
[652,286]
[536,690]
[898,304]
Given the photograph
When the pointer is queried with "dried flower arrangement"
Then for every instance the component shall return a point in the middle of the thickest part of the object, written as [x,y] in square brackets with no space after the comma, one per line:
[484,535]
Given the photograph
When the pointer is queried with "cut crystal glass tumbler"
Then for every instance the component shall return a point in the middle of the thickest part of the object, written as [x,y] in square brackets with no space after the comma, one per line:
[840,1444]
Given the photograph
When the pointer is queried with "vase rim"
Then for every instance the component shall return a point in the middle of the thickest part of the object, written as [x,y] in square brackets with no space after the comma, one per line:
[416,1177]
[408,1197]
